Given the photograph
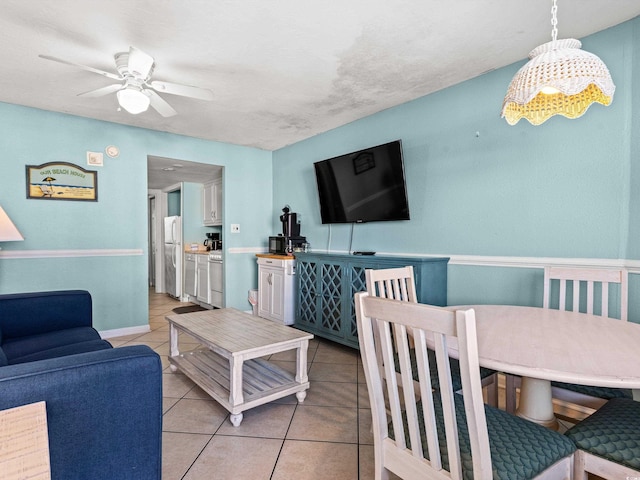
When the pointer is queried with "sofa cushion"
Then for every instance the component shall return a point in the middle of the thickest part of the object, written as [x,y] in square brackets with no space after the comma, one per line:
[3,358]
[62,351]
[23,314]
[27,346]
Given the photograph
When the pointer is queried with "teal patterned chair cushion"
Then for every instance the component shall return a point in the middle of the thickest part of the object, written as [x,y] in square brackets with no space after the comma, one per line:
[598,392]
[613,432]
[435,382]
[520,449]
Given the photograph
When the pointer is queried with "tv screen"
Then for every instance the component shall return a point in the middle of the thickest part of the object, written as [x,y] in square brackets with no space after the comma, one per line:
[363,186]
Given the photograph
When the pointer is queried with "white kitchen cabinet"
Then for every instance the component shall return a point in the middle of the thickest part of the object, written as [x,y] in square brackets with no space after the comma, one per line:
[202,283]
[276,287]
[212,203]
[190,274]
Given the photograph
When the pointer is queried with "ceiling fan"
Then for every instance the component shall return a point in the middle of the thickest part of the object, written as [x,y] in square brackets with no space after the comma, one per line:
[135,89]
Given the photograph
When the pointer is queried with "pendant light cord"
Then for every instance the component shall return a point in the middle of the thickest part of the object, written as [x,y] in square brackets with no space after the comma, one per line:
[554,21]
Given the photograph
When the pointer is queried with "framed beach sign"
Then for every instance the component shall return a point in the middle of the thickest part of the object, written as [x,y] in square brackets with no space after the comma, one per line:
[61,181]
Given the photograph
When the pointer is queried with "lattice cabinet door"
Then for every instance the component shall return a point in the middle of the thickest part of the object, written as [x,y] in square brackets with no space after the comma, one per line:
[357,283]
[307,306]
[327,284]
[330,296]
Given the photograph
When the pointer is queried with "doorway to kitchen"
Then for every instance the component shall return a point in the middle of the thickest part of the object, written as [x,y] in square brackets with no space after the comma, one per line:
[176,189]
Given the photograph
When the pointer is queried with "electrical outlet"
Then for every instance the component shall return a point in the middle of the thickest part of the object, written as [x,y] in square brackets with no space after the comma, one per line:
[235,228]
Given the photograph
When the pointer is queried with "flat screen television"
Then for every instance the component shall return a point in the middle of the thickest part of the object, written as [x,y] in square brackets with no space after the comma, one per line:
[363,186]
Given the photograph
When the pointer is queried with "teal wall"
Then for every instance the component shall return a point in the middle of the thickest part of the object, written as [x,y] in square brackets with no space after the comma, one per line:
[118,220]
[479,187]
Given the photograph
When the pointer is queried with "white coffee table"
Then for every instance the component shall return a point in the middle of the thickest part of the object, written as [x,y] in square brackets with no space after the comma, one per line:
[229,367]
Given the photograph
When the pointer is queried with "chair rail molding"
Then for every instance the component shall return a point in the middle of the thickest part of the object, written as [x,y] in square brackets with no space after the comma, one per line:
[541,262]
[633,266]
[13,254]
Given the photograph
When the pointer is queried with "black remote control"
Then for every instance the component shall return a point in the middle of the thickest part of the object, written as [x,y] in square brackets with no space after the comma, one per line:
[364,253]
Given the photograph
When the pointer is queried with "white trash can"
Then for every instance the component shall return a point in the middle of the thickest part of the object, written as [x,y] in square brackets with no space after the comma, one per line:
[253,300]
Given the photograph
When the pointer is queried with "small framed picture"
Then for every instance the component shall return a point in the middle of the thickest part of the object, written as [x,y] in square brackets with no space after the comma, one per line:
[61,181]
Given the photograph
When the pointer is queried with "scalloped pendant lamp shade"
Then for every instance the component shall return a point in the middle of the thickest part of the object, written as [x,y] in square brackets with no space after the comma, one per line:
[559,79]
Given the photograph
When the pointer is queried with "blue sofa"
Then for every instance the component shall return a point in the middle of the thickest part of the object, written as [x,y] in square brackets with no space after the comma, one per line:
[104,404]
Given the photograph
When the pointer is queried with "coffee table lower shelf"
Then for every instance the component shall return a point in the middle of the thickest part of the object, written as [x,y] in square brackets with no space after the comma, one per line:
[262,382]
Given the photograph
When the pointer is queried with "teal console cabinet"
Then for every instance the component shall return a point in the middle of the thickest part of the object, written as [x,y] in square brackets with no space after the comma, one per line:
[327,283]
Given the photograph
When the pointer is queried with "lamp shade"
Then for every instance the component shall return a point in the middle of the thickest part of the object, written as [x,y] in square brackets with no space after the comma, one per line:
[133,100]
[8,231]
[574,78]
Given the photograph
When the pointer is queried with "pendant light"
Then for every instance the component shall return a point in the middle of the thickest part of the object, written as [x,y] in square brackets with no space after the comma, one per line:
[559,79]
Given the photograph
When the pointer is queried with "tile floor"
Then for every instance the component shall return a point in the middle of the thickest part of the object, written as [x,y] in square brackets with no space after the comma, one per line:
[326,437]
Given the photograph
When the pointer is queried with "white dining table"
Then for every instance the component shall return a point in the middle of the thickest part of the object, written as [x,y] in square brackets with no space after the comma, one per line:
[544,345]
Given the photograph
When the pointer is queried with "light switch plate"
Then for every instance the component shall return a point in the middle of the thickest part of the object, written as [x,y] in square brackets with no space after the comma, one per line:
[235,228]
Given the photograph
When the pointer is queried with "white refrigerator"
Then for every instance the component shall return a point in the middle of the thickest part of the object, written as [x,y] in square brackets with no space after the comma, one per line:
[173,256]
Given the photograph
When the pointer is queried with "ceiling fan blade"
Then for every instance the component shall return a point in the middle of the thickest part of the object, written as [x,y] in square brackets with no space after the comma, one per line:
[102,91]
[84,67]
[182,90]
[159,104]
[140,63]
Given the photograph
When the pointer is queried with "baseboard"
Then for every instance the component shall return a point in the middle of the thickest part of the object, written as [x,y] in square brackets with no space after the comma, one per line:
[121,332]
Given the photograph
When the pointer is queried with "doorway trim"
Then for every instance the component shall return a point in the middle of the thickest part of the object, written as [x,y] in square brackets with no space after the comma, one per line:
[160,213]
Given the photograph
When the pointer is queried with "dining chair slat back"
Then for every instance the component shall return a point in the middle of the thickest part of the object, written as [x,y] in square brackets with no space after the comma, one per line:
[592,279]
[395,283]
[579,287]
[399,284]
[443,434]
[576,289]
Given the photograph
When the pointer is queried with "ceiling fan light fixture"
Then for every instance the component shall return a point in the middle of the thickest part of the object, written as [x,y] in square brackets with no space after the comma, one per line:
[559,79]
[135,90]
[133,100]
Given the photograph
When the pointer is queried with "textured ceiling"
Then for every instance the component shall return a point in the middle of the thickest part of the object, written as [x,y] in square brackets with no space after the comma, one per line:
[281,71]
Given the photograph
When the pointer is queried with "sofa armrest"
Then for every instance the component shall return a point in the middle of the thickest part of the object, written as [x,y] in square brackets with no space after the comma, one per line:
[25,314]
[104,411]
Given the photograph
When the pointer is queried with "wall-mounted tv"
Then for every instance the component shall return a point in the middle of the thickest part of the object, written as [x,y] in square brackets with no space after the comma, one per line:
[363,186]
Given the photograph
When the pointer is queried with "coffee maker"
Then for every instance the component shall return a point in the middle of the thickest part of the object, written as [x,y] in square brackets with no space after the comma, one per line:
[290,225]
[290,239]
[213,241]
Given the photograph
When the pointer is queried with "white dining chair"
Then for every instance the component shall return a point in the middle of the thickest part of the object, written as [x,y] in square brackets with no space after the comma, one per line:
[395,283]
[586,290]
[608,442]
[444,434]
[399,284]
